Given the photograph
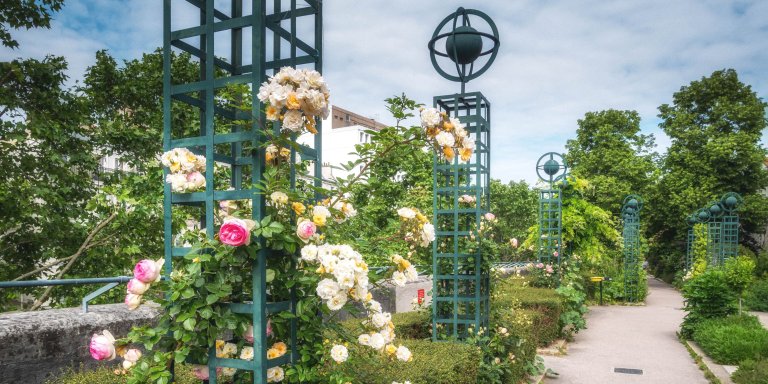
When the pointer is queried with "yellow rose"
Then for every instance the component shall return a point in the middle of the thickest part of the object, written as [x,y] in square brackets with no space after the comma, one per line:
[281,347]
[465,154]
[299,208]
[272,113]
[273,353]
[310,125]
[448,153]
[391,349]
[293,101]
[319,220]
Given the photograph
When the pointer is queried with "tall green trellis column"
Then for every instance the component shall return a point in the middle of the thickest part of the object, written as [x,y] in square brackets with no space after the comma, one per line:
[630,214]
[714,233]
[461,290]
[551,168]
[729,229]
[257,43]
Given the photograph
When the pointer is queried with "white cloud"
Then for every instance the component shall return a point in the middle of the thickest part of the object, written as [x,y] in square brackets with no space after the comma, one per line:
[558,59]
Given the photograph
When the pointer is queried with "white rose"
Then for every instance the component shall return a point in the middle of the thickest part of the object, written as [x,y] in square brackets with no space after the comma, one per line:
[278,197]
[399,279]
[275,375]
[406,213]
[430,117]
[364,339]
[293,121]
[337,301]
[445,139]
[468,143]
[377,341]
[411,274]
[403,353]
[229,349]
[339,353]
[327,288]
[457,124]
[374,306]
[380,320]
[427,234]
[320,210]
[388,335]
[309,252]
[178,181]
[246,353]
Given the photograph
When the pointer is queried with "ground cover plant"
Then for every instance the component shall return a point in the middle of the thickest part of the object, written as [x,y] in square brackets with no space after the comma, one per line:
[732,339]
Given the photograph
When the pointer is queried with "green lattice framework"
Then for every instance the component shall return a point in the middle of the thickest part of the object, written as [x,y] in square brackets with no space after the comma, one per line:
[722,221]
[259,37]
[730,225]
[461,282]
[714,245]
[551,168]
[630,213]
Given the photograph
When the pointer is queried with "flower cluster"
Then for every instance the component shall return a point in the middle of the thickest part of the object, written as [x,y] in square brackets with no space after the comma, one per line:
[226,350]
[416,227]
[145,273]
[344,272]
[275,154]
[185,170]
[405,271]
[102,347]
[447,134]
[295,97]
[467,200]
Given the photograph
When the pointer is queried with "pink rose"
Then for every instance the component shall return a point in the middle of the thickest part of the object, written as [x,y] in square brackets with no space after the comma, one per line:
[540,265]
[513,242]
[133,355]
[235,232]
[549,269]
[200,372]
[555,254]
[195,180]
[248,335]
[490,216]
[132,301]
[102,346]
[148,271]
[305,230]
[137,287]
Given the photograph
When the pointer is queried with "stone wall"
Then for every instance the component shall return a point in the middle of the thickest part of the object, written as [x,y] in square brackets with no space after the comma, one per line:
[36,346]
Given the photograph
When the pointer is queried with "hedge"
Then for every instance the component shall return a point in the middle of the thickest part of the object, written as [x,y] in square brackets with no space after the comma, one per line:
[732,339]
[751,372]
[105,374]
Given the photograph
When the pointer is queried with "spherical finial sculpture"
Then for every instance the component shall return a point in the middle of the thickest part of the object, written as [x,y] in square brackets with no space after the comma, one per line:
[715,210]
[552,169]
[731,202]
[464,44]
[703,215]
[635,202]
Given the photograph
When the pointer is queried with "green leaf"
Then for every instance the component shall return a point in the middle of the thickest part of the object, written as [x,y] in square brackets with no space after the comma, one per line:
[189,324]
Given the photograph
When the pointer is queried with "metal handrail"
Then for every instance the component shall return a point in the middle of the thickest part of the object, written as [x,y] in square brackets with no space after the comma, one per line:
[112,282]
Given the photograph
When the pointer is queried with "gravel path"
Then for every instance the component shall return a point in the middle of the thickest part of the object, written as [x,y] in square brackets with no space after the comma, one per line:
[641,338]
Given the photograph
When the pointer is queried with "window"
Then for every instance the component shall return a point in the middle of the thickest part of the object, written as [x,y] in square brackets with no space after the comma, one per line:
[347,118]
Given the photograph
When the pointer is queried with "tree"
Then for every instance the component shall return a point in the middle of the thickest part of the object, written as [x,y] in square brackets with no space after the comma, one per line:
[60,216]
[515,205]
[610,152]
[715,125]
[25,14]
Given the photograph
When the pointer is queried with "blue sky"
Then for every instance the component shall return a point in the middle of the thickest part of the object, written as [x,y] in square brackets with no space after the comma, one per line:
[557,60]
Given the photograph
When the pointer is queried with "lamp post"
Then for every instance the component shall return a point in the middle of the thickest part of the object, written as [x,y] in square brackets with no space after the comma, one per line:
[461,280]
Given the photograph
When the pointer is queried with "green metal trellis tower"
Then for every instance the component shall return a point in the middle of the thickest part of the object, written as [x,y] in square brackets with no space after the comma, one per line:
[630,214]
[691,221]
[461,290]
[730,226]
[551,168]
[714,234]
[258,37]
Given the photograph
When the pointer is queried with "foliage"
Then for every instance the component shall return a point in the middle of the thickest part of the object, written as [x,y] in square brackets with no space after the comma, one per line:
[25,14]
[105,374]
[715,125]
[439,363]
[738,271]
[400,177]
[699,256]
[732,339]
[67,212]
[707,296]
[545,307]
[515,205]
[574,299]
[756,298]
[751,372]
[610,152]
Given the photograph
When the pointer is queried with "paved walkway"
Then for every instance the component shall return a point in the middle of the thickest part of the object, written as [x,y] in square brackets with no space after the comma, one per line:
[763,316]
[630,337]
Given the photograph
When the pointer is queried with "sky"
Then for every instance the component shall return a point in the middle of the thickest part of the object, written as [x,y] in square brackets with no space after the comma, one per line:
[557,60]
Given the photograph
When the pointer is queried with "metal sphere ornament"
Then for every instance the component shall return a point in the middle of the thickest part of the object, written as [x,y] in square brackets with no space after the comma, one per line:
[731,202]
[551,167]
[634,201]
[703,215]
[715,210]
[464,44]
[691,220]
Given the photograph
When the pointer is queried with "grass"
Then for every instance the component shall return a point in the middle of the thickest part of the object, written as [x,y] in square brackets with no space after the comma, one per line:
[732,339]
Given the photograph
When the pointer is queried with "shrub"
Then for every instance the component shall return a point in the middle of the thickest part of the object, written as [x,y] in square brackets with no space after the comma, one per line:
[756,298]
[413,325]
[540,300]
[752,372]
[104,374]
[732,339]
[433,363]
[707,296]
